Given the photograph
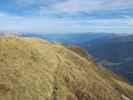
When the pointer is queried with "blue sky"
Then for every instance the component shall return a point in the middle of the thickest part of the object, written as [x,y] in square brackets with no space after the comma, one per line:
[66,16]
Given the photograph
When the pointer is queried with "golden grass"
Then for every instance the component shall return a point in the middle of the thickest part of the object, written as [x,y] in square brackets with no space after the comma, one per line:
[32,69]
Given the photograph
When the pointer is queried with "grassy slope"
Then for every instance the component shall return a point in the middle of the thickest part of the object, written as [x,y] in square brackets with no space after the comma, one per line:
[32,69]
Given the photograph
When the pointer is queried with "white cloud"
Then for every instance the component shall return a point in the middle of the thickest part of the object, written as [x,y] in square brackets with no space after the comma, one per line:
[40,23]
[92,5]
[75,5]
[53,25]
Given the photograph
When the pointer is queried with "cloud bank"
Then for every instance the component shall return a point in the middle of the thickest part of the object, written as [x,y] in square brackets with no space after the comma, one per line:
[63,16]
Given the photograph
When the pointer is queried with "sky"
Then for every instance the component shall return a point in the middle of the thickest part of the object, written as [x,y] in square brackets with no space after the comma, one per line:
[66,16]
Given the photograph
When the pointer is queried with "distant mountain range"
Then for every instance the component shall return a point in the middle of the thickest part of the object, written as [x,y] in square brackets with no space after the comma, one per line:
[114,51]
[11,34]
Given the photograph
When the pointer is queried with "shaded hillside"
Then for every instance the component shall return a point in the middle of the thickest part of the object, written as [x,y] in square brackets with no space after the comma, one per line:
[116,54]
[33,69]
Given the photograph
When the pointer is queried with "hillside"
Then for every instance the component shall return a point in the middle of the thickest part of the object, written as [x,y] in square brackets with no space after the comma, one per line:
[116,54]
[34,69]
[114,51]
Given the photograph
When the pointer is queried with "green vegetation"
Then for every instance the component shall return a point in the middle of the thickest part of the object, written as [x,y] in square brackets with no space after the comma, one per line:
[33,69]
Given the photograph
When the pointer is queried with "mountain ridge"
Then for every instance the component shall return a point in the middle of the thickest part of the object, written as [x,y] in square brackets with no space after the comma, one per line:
[114,51]
[34,69]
